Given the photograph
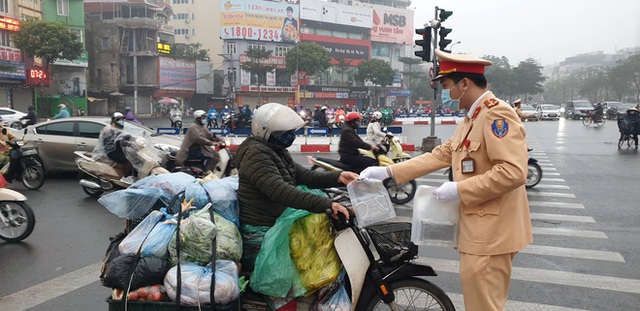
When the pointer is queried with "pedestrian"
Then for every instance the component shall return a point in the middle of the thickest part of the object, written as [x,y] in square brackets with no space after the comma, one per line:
[64,113]
[488,155]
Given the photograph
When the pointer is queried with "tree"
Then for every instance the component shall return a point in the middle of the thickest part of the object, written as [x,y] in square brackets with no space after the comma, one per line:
[257,64]
[48,40]
[191,51]
[342,67]
[528,77]
[376,71]
[308,57]
[420,89]
[500,76]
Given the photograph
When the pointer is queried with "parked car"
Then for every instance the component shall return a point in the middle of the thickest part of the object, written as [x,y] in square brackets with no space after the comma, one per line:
[548,112]
[528,109]
[577,109]
[11,117]
[58,139]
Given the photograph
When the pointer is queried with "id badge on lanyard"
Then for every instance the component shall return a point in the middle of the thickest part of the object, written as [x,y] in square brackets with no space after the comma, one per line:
[468,164]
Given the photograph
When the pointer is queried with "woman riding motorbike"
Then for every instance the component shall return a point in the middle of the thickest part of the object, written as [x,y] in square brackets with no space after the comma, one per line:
[350,142]
[268,178]
[374,134]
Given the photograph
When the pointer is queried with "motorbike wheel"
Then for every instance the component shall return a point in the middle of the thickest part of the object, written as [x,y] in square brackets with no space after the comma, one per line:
[534,175]
[178,124]
[94,193]
[33,176]
[16,125]
[586,121]
[600,122]
[401,194]
[414,294]
[16,221]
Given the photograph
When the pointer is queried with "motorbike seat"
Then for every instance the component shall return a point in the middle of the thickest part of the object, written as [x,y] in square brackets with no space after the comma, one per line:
[336,163]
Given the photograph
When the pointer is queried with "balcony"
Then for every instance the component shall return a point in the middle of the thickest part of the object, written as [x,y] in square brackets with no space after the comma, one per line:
[167,29]
[135,22]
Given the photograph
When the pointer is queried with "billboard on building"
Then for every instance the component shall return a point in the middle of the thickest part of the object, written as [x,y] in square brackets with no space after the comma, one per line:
[259,20]
[339,50]
[390,25]
[334,13]
[204,73]
[176,74]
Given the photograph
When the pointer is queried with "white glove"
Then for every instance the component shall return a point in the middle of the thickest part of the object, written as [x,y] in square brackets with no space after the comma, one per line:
[448,191]
[375,172]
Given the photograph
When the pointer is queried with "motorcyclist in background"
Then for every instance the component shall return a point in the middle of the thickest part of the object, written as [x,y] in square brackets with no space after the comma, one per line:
[375,135]
[350,142]
[174,113]
[31,116]
[198,143]
[598,112]
[109,145]
[322,117]
[128,115]
[212,117]
[64,113]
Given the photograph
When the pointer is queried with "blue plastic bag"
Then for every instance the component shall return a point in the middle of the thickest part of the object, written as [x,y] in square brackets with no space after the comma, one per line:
[274,273]
[131,243]
[158,240]
[223,195]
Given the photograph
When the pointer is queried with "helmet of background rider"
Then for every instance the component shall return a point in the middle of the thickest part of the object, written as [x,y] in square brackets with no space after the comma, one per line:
[323,108]
[353,116]
[377,115]
[274,117]
[199,114]
[116,116]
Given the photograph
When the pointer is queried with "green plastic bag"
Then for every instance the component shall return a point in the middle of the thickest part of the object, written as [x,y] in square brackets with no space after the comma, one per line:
[274,273]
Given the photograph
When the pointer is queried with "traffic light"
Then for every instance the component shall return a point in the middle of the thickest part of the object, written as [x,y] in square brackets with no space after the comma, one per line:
[425,43]
[443,41]
[444,15]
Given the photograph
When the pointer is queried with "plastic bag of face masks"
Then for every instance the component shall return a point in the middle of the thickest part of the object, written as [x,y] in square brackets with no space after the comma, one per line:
[196,283]
[312,251]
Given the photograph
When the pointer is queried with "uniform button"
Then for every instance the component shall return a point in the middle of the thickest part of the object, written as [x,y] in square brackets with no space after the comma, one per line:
[481,212]
[457,168]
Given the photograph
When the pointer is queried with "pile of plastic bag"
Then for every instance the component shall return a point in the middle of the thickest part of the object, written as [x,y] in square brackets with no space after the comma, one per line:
[143,264]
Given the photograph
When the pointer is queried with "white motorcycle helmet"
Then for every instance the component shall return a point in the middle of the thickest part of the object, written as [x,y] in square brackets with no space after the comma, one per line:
[199,113]
[274,117]
[377,115]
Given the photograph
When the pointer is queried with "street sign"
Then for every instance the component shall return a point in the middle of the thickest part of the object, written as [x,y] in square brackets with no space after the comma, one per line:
[317,131]
[168,130]
[220,131]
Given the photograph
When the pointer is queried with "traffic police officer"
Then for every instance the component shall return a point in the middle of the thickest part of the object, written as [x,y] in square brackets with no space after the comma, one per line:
[488,155]
[518,106]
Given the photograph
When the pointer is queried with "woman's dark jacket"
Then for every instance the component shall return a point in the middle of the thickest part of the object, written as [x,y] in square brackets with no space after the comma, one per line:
[350,142]
[268,180]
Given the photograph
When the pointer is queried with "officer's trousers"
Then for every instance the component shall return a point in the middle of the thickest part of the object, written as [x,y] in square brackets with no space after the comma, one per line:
[485,281]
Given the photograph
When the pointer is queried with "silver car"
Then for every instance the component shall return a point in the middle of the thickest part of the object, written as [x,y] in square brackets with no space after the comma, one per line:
[58,139]
[548,112]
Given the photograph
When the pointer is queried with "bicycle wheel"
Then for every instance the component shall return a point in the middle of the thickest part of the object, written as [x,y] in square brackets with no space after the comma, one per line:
[586,121]
[414,294]
[629,141]
[600,122]
[620,143]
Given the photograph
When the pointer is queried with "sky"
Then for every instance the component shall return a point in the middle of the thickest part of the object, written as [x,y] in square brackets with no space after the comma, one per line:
[546,30]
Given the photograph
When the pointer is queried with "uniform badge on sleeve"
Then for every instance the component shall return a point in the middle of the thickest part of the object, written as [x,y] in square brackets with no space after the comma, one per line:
[500,127]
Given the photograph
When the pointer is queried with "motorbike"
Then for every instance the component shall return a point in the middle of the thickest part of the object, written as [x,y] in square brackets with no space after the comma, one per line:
[212,120]
[534,174]
[227,120]
[399,194]
[98,176]
[28,167]
[176,120]
[16,216]
[225,167]
[384,276]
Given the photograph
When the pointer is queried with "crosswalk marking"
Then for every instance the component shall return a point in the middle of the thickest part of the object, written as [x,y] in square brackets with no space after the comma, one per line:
[551,194]
[545,165]
[570,232]
[561,217]
[512,305]
[572,253]
[543,186]
[548,173]
[550,180]
[556,204]
[557,277]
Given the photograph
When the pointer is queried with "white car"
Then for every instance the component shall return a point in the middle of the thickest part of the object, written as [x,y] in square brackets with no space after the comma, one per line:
[548,112]
[528,109]
[11,117]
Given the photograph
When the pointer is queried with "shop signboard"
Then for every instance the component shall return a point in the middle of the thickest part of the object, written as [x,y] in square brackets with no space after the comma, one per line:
[399,93]
[176,74]
[82,61]
[339,50]
[259,20]
[390,25]
[279,61]
[333,13]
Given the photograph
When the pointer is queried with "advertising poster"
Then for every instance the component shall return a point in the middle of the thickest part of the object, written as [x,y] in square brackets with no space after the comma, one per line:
[177,74]
[204,72]
[338,50]
[259,20]
[334,13]
[271,78]
[391,25]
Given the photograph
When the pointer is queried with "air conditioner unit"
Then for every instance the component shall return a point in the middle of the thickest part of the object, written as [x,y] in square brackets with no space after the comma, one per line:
[187,36]
[187,20]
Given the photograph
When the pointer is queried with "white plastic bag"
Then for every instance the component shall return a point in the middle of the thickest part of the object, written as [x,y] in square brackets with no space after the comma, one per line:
[435,222]
[371,202]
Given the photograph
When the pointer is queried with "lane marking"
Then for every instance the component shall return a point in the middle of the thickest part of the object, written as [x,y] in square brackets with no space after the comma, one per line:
[549,174]
[512,305]
[576,253]
[546,180]
[545,165]
[551,194]
[545,276]
[51,289]
[538,186]
[570,233]
[556,204]
[560,217]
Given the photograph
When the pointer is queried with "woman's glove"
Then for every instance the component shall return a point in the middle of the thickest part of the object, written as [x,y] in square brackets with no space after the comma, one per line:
[448,191]
[376,172]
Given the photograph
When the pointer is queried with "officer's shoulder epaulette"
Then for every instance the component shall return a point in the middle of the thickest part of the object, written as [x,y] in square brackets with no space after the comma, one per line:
[491,102]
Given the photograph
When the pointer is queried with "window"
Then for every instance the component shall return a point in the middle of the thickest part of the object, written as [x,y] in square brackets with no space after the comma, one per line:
[63,7]
[378,49]
[231,48]
[281,50]
[282,78]
[89,129]
[4,6]
[340,34]
[5,38]
[98,73]
[6,112]
[180,1]
[232,72]
[181,31]
[59,129]
[256,46]
[105,42]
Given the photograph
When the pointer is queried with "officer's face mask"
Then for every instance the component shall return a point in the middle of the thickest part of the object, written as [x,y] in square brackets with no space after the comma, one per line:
[284,140]
[448,102]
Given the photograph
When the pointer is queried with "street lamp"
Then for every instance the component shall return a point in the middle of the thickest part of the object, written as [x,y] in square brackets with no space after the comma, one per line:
[451,48]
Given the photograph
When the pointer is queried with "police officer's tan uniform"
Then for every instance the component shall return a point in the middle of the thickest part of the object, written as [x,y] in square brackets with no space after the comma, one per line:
[521,114]
[495,221]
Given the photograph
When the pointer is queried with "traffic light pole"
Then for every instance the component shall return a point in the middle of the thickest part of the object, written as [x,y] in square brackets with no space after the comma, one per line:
[430,142]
